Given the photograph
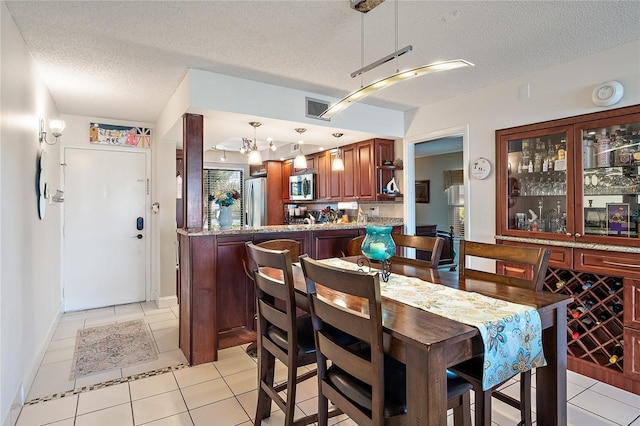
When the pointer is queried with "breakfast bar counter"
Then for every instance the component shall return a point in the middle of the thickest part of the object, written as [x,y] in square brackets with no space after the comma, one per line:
[217,300]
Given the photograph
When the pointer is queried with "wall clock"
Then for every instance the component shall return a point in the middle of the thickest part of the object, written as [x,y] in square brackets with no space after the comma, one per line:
[480,168]
[608,93]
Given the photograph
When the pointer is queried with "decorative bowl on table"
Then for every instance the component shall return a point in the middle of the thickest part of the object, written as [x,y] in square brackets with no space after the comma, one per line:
[378,245]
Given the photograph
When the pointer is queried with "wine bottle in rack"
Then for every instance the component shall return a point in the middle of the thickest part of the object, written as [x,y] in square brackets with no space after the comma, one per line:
[575,334]
[588,304]
[604,315]
[616,308]
[615,287]
[587,285]
[578,311]
[617,353]
[587,323]
[560,284]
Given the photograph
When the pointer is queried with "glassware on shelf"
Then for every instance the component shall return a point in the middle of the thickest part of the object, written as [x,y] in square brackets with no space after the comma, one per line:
[604,150]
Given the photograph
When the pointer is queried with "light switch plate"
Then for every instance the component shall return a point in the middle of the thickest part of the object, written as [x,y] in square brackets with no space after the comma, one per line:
[374,211]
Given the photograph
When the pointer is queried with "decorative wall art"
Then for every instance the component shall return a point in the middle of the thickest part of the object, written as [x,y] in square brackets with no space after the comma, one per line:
[422,191]
[108,134]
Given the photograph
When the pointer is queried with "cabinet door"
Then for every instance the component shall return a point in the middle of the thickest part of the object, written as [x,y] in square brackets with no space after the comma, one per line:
[234,291]
[287,168]
[323,176]
[350,175]
[535,183]
[365,169]
[631,299]
[331,243]
[607,183]
[334,184]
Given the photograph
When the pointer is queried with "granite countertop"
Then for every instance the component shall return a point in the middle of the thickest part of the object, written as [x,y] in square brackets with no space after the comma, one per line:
[290,228]
[571,244]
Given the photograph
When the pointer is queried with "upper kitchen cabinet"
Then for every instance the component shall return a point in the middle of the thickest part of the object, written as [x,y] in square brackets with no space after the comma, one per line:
[574,179]
[365,174]
[328,181]
[287,171]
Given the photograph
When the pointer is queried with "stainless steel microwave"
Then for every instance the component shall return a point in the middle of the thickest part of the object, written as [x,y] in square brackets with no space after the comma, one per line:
[302,187]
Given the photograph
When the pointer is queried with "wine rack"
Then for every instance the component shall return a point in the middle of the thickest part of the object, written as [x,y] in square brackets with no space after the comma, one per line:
[594,318]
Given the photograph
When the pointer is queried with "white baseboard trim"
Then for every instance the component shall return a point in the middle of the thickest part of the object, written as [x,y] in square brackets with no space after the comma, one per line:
[166,301]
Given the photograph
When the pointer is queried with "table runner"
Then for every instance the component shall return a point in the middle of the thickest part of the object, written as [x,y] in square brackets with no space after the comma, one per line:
[512,333]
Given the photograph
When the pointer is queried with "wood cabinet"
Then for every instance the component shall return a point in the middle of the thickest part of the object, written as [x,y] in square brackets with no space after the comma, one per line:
[329,182]
[331,243]
[551,187]
[179,172]
[275,179]
[287,170]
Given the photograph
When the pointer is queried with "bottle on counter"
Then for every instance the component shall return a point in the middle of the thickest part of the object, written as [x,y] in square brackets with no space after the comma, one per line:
[604,150]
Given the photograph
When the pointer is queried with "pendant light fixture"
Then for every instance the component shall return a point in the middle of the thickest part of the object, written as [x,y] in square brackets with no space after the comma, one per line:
[300,162]
[398,77]
[337,165]
[254,154]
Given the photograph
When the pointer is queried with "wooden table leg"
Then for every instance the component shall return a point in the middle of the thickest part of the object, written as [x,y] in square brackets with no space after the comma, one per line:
[551,381]
[426,386]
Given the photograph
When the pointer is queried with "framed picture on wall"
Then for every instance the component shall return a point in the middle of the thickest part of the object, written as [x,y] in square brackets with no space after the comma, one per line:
[422,191]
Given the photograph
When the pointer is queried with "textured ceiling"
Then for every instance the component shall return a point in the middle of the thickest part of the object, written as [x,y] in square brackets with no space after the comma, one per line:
[124,60]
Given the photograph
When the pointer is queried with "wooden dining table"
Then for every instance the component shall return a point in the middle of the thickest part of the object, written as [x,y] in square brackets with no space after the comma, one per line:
[428,344]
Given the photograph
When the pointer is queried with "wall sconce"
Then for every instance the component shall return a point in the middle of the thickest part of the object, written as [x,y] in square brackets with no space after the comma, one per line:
[56,127]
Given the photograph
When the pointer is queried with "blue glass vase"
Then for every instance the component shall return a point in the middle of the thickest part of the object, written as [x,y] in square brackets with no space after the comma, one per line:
[225,218]
[378,244]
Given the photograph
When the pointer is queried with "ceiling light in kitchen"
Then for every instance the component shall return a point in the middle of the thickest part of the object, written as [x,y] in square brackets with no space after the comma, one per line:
[254,153]
[300,162]
[337,165]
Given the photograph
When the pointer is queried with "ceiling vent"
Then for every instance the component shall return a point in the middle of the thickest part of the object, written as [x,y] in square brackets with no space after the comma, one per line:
[315,107]
[295,148]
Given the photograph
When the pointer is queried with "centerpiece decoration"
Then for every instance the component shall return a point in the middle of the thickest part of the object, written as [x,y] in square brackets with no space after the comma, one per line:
[378,247]
[225,199]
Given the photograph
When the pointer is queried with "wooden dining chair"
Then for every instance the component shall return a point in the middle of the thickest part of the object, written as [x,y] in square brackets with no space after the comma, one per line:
[430,244]
[354,246]
[281,334]
[281,244]
[523,267]
[366,384]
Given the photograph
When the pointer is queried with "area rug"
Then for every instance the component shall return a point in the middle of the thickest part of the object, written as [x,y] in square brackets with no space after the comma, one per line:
[112,346]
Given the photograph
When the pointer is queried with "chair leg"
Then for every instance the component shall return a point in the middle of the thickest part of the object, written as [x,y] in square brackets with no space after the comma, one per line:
[292,372]
[483,407]
[323,407]
[462,412]
[266,370]
[525,398]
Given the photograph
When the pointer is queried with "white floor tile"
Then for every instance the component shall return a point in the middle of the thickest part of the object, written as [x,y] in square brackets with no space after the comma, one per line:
[165,359]
[62,344]
[243,382]
[67,330]
[206,393]
[100,399]
[576,416]
[163,324]
[51,379]
[93,379]
[160,318]
[66,422]
[235,364]
[182,419]
[617,394]
[197,374]
[228,412]
[166,339]
[231,352]
[48,412]
[157,407]
[580,380]
[150,386]
[119,415]
[606,407]
[58,355]
[131,308]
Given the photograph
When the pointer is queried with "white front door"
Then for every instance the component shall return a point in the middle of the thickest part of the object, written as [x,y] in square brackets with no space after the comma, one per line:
[105,254]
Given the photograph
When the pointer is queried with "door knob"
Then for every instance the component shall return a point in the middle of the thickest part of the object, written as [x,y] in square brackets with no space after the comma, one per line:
[139,236]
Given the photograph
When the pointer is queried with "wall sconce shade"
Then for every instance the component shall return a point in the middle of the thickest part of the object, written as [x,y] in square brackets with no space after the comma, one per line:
[391,80]
[56,127]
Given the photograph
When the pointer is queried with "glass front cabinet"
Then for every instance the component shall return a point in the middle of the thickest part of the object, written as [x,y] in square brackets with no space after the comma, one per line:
[574,179]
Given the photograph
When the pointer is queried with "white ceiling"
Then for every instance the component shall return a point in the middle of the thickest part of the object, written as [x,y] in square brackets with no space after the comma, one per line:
[124,59]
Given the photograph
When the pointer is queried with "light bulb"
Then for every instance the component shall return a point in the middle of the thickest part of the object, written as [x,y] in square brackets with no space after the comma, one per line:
[300,162]
[255,157]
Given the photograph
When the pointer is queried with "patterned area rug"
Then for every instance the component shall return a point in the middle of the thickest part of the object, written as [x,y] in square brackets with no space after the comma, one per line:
[112,346]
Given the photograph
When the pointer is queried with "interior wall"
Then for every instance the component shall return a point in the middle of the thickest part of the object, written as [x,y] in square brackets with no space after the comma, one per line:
[560,91]
[30,282]
[436,212]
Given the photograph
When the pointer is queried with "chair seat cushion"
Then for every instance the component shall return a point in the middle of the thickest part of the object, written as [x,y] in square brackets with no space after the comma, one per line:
[395,398]
[306,342]
[472,368]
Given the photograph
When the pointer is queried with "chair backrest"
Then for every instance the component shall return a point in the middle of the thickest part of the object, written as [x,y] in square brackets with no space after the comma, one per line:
[282,244]
[360,317]
[430,244]
[523,267]
[270,290]
[354,246]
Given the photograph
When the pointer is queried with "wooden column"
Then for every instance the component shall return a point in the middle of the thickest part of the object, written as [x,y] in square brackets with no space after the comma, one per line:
[192,145]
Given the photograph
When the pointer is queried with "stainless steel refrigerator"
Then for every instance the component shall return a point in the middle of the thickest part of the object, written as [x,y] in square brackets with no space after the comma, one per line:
[255,202]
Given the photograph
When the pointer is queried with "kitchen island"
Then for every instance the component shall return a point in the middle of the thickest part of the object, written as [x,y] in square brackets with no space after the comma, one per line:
[217,299]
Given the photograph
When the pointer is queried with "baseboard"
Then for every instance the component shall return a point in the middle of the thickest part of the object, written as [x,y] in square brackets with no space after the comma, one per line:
[166,301]
[27,380]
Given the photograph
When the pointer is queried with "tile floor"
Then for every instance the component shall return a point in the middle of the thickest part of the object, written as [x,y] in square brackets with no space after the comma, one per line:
[224,392]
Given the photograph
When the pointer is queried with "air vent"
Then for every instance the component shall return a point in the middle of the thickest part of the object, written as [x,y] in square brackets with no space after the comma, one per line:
[295,148]
[315,107]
